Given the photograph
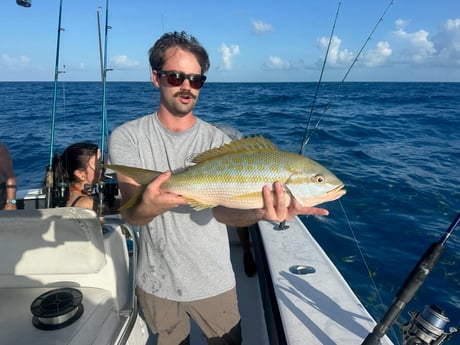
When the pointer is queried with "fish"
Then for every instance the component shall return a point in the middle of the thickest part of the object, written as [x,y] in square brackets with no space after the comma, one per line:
[234,174]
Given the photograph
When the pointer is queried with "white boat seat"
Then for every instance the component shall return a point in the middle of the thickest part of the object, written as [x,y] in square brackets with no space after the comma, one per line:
[47,249]
[64,247]
[51,241]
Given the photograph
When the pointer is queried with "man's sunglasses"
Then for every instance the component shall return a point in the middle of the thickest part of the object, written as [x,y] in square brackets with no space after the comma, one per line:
[177,78]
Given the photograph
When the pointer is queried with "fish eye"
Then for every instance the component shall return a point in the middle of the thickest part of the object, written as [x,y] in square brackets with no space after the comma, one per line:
[319,179]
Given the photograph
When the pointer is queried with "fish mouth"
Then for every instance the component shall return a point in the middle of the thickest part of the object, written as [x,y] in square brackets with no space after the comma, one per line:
[331,195]
[337,192]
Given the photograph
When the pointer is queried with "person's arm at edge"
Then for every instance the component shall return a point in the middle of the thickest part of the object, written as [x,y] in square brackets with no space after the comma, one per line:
[271,211]
[6,164]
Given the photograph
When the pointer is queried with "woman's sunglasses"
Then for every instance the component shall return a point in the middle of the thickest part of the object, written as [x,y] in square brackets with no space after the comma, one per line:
[177,78]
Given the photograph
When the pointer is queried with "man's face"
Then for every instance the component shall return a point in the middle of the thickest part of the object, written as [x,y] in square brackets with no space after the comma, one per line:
[178,100]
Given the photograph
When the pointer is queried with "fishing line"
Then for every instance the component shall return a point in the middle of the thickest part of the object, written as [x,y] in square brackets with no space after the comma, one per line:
[369,37]
[306,134]
[361,253]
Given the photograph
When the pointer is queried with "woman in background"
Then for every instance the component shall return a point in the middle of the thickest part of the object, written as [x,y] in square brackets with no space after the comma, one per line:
[79,165]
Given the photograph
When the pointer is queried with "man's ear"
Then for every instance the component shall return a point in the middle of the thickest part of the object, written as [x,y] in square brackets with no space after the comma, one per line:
[155,79]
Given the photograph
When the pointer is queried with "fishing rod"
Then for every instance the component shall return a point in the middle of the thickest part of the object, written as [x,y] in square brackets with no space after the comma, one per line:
[426,327]
[315,97]
[49,181]
[307,135]
[423,328]
[104,83]
[107,188]
[282,225]
[100,43]
[306,138]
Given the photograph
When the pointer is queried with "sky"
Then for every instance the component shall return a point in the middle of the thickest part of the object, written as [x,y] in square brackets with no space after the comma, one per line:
[247,40]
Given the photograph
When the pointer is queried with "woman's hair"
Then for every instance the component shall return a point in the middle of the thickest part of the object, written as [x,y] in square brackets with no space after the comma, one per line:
[177,39]
[74,157]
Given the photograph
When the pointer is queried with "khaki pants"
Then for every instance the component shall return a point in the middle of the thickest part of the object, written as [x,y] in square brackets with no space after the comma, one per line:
[218,317]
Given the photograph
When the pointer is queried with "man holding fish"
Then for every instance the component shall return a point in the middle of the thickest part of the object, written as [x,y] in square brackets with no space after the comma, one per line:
[182,181]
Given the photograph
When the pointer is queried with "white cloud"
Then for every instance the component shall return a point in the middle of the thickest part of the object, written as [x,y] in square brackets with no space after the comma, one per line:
[259,27]
[418,47]
[378,56]
[447,43]
[276,63]
[228,53]
[401,23]
[452,25]
[336,57]
[406,47]
[123,62]
[14,62]
[441,49]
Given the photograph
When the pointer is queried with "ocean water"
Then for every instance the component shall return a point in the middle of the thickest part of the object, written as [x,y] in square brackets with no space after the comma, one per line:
[396,146]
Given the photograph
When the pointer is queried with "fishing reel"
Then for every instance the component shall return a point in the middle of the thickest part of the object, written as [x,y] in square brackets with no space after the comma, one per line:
[426,328]
[61,193]
[110,188]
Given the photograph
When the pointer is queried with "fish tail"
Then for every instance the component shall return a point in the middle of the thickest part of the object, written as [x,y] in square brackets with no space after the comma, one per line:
[142,176]
[134,200]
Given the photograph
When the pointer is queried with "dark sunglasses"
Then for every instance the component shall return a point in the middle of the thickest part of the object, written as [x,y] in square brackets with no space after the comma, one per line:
[177,78]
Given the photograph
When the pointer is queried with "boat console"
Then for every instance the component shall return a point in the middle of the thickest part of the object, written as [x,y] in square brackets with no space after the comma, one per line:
[65,278]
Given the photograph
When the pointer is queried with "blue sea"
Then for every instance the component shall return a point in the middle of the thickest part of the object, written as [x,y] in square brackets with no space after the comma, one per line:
[396,146]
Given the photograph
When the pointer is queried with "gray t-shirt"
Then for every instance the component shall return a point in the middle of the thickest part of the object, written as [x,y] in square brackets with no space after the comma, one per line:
[184,254]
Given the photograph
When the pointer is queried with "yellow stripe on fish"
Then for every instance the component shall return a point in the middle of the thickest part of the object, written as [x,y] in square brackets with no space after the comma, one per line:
[234,174]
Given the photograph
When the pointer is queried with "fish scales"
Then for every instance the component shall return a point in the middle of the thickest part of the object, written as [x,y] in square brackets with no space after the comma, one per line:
[235,180]
[234,175]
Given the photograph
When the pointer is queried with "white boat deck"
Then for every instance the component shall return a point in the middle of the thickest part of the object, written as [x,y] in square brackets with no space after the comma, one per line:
[277,305]
[316,308]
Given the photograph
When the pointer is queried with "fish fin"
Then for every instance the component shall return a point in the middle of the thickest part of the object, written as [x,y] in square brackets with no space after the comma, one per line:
[293,191]
[141,176]
[197,205]
[236,146]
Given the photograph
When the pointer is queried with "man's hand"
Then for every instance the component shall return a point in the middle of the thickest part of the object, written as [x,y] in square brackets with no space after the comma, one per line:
[153,202]
[275,205]
[159,200]
[274,209]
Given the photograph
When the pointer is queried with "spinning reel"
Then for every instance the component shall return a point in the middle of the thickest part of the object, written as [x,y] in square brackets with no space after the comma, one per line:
[426,328]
